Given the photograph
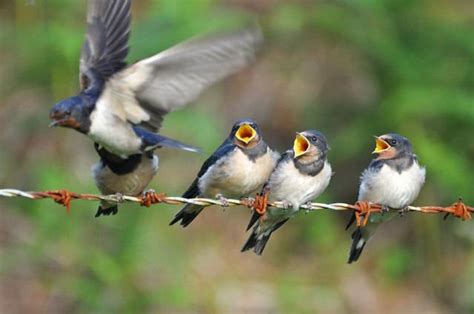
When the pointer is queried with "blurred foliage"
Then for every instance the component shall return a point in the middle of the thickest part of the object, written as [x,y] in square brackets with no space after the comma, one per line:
[351,69]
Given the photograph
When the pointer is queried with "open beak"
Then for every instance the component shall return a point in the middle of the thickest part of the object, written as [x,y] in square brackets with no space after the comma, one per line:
[245,133]
[301,145]
[380,146]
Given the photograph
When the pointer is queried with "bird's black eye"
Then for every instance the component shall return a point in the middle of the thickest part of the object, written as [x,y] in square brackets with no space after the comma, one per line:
[314,139]
[68,112]
[393,142]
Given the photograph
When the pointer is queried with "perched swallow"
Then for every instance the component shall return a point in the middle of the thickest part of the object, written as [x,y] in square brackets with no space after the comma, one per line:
[239,167]
[129,176]
[301,175]
[393,179]
[122,107]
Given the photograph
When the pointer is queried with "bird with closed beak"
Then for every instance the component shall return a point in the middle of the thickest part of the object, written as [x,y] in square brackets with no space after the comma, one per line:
[393,179]
[239,167]
[300,176]
[121,107]
[123,176]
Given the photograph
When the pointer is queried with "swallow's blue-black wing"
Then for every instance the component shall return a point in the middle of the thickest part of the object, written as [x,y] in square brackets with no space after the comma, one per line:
[175,77]
[221,151]
[189,212]
[106,44]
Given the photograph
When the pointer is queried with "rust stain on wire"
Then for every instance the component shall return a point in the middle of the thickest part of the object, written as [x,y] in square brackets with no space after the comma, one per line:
[260,203]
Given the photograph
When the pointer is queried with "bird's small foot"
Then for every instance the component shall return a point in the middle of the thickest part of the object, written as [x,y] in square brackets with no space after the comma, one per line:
[308,206]
[224,202]
[286,204]
[384,210]
[119,197]
[402,212]
[106,211]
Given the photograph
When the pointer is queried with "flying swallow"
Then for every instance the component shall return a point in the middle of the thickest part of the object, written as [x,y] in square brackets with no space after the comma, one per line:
[393,179]
[121,107]
[116,175]
[239,167]
[300,176]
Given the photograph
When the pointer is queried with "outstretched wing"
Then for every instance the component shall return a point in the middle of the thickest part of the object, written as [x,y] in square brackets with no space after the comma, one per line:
[106,44]
[147,90]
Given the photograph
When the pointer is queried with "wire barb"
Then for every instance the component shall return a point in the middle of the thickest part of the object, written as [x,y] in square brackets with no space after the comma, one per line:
[259,203]
[151,197]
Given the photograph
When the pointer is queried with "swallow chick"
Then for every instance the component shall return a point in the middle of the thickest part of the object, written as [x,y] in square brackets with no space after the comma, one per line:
[121,107]
[239,167]
[116,175]
[300,176]
[393,179]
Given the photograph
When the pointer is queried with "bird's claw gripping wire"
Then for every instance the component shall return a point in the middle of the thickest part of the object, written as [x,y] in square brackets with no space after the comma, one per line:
[286,204]
[224,202]
[402,212]
[119,197]
[150,197]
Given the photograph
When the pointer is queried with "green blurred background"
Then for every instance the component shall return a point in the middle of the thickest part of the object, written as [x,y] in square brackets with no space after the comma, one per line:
[351,69]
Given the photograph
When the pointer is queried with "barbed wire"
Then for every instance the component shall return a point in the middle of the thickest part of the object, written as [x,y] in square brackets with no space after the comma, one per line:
[259,203]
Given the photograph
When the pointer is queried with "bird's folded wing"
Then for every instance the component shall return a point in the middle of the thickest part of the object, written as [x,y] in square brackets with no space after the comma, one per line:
[226,148]
[147,90]
[106,44]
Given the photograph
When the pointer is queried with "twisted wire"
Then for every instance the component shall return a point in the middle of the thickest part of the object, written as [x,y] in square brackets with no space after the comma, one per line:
[259,203]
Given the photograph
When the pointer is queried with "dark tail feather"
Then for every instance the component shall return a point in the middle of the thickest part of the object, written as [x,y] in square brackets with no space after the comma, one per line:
[351,221]
[358,244]
[253,220]
[255,242]
[187,215]
[261,243]
[258,243]
[250,242]
[106,211]
[153,140]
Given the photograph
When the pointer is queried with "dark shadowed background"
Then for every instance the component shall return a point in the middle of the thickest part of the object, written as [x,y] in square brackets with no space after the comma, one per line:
[351,69]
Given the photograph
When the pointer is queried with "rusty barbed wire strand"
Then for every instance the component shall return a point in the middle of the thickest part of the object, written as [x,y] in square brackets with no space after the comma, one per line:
[260,203]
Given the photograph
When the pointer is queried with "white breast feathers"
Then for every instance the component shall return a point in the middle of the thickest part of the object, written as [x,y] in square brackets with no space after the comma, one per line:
[289,184]
[391,188]
[236,175]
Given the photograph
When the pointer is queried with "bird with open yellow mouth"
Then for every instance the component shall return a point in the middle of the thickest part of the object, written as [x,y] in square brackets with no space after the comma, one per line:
[246,135]
[301,175]
[239,167]
[384,148]
[393,179]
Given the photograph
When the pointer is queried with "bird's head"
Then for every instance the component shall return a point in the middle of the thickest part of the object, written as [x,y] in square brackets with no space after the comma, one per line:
[392,145]
[245,133]
[310,145]
[72,113]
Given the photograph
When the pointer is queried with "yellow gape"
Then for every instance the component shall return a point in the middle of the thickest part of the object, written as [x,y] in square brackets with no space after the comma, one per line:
[245,133]
[301,145]
[380,146]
